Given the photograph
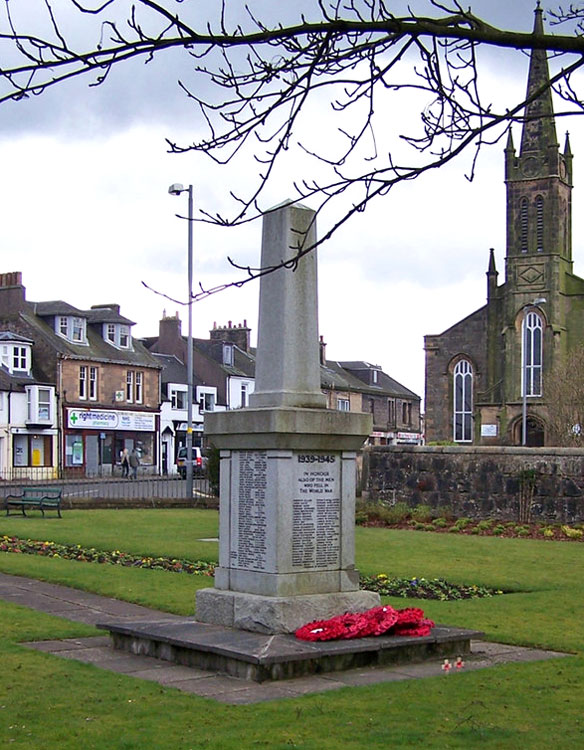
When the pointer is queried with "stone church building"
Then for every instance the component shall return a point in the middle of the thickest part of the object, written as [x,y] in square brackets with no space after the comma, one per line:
[486,375]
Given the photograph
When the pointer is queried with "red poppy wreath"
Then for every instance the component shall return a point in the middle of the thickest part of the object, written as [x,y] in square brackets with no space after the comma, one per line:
[409,621]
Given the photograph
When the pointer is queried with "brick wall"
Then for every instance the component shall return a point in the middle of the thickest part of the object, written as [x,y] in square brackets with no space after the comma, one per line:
[478,482]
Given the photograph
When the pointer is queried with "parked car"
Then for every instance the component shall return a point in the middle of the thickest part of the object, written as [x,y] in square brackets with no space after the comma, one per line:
[199,462]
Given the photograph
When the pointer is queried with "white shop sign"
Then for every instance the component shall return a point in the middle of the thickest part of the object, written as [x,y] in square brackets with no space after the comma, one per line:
[408,437]
[100,419]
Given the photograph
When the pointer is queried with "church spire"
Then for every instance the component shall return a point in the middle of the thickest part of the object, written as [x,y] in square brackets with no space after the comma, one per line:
[539,130]
[492,275]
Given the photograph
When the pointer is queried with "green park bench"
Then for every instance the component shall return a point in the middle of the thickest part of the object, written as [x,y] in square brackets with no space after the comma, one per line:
[35,498]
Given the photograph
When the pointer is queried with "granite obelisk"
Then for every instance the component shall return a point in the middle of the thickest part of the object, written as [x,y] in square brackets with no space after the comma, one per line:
[287,487]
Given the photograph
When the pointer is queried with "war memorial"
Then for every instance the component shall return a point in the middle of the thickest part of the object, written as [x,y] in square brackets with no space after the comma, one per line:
[287,504]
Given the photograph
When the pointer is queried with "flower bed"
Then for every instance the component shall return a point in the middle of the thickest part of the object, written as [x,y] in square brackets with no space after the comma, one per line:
[422,588]
[421,518]
[115,557]
[416,588]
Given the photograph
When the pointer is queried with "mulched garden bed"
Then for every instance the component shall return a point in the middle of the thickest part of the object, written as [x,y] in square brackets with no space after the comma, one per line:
[506,529]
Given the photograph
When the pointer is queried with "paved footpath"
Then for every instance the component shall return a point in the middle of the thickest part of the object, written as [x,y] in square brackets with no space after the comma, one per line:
[81,606]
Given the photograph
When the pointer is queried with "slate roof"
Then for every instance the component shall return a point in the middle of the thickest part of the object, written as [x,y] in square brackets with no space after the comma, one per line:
[243,362]
[96,348]
[385,385]
[56,307]
[173,370]
[10,382]
[9,336]
[107,315]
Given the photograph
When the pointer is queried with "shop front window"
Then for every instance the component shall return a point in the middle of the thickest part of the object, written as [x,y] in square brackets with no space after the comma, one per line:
[73,450]
[145,448]
[32,450]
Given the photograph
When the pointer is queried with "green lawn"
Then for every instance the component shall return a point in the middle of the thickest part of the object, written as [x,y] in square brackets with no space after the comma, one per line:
[46,702]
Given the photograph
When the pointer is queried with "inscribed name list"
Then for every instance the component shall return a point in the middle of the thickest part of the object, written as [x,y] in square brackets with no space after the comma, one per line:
[248,539]
[316,511]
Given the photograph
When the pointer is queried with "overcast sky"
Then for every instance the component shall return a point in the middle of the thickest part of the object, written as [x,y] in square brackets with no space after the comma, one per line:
[86,215]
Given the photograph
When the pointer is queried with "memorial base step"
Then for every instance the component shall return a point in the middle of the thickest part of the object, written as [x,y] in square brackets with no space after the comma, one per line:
[258,657]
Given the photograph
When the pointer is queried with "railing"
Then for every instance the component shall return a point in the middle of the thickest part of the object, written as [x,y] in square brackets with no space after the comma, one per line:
[84,491]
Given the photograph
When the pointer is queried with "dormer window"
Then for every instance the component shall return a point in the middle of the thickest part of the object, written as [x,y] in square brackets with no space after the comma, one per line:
[228,354]
[16,358]
[20,359]
[124,337]
[78,329]
[72,328]
[110,334]
[117,335]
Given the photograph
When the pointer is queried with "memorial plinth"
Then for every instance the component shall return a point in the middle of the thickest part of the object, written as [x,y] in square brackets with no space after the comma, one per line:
[287,516]
[288,468]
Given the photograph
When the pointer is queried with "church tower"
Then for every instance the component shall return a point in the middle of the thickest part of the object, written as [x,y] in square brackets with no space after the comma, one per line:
[539,193]
[539,237]
[488,376]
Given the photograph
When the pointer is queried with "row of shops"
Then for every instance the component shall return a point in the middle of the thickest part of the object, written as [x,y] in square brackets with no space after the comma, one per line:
[90,442]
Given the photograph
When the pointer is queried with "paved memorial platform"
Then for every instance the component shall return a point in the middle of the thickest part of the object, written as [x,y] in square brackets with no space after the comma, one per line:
[80,606]
[259,657]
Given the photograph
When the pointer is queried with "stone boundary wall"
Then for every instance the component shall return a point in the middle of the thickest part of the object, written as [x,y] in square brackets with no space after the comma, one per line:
[480,482]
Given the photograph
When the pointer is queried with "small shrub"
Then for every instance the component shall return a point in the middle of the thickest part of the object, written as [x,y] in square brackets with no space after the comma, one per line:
[572,533]
[484,525]
[448,513]
[366,512]
[547,532]
[396,513]
[454,529]
[475,530]
[421,513]
[361,517]
[462,523]
[439,523]
[498,529]
[523,532]
[418,526]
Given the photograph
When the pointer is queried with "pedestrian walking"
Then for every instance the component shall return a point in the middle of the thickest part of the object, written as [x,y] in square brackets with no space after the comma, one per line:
[134,463]
[125,460]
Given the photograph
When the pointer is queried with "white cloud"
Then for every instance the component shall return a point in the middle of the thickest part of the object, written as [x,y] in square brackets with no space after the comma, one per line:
[87,217]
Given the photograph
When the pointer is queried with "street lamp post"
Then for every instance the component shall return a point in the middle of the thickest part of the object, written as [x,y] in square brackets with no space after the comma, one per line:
[177,189]
[535,303]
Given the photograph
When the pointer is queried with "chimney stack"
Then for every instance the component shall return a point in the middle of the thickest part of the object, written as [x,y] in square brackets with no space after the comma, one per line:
[233,334]
[12,293]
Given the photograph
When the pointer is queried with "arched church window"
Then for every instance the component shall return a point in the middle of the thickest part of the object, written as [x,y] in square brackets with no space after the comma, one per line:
[532,354]
[462,385]
[524,223]
[539,222]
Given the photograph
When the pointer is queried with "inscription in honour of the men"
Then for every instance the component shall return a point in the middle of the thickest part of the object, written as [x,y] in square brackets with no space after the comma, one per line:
[316,511]
[248,546]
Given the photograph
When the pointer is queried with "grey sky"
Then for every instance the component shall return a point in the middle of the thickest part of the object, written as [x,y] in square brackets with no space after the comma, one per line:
[87,217]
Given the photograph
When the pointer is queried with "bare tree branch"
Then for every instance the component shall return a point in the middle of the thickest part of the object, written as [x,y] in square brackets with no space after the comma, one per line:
[260,88]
